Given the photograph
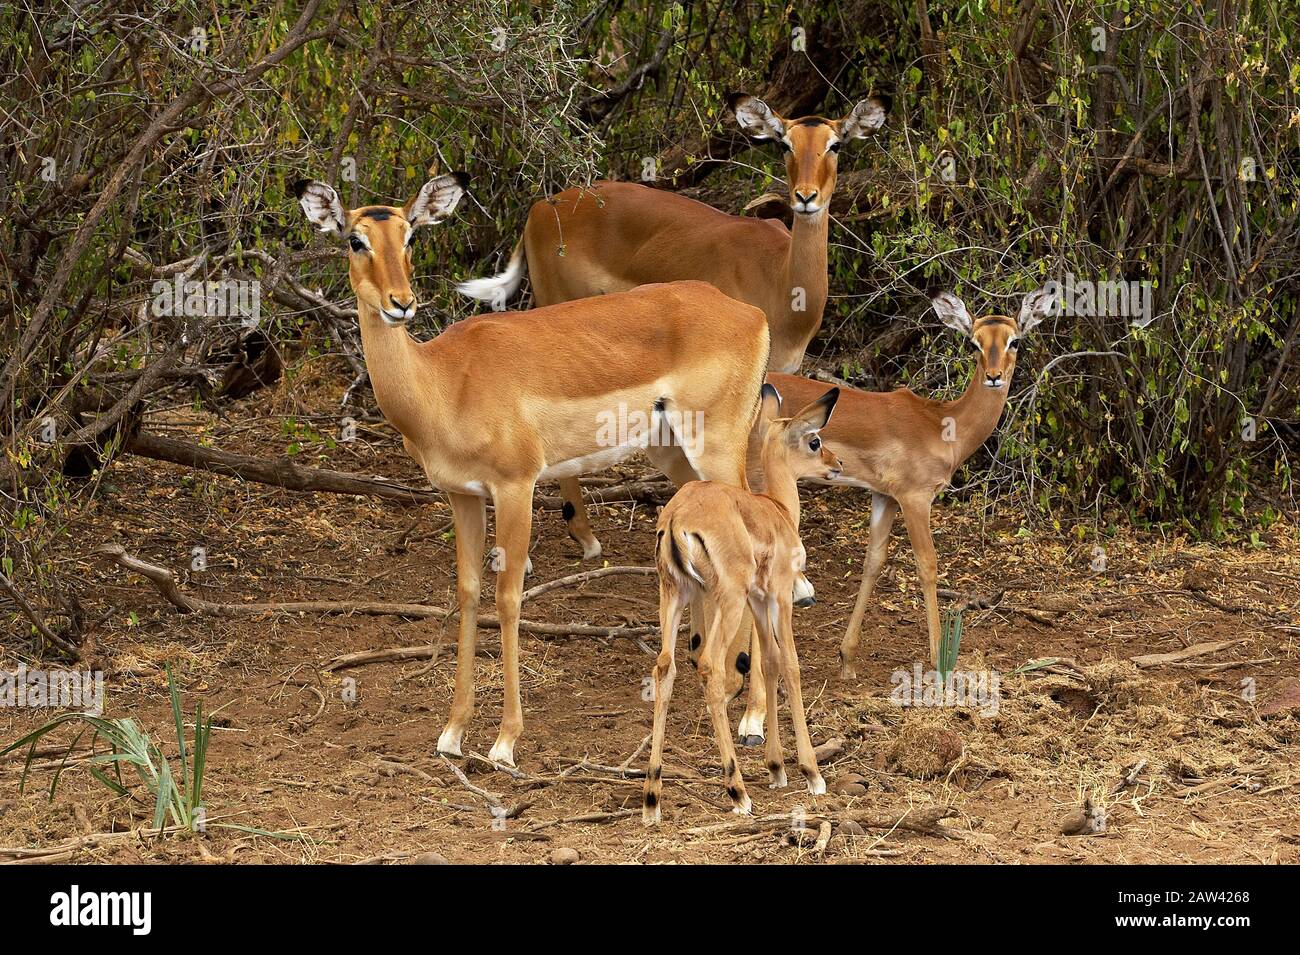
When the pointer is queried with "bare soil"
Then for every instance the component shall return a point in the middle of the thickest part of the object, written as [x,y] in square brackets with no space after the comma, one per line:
[1214,735]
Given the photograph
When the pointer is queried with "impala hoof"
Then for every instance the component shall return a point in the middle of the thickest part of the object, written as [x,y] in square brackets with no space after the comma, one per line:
[449,742]
[751,729]
[592,551]
[503,753]
[805,601]
[817,786]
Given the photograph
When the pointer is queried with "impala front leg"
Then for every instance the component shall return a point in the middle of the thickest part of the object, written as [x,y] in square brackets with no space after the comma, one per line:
[514,516]
[750,731]
[883,510]
[470,516]
[916,515]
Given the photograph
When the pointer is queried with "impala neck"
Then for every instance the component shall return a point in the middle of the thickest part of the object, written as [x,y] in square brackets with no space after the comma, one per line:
[389,353]
[781,484]
[805,268]
[977,412]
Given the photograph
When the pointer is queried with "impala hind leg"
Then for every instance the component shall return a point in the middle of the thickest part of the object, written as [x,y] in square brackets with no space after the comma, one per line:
[794,690]
[712,662]
[916,515]
[765,636]
[470,516]
[665,672]
[514,514]
[576,517]
[883,510]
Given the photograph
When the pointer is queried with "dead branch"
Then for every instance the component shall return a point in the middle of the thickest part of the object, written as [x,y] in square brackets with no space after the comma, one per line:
[35,618]
[276,472]
[924,821]
[165,582]
[583,577]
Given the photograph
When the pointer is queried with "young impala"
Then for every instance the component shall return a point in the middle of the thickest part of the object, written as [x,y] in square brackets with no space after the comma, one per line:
[618,235]
[496,403]
[905,449]
[741,550]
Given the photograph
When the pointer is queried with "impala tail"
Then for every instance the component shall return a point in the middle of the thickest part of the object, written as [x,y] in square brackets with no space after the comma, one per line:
[499,288]
[684,558]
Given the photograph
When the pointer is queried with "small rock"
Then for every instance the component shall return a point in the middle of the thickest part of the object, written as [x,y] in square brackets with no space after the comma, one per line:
[1085,822]
[848,787]
[1199,579]
[850,828]
[564,856]
[1283,700]
[828,750]
[429,858]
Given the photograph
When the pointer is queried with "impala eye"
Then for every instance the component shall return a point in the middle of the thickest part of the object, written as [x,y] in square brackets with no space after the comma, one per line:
[833,147]
[1013,344]
[356,243]
[814,443]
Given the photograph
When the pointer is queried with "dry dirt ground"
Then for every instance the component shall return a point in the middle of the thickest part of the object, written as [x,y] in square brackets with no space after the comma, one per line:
[1187,763]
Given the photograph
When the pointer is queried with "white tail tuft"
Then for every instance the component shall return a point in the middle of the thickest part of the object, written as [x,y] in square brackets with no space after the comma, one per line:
[499,288]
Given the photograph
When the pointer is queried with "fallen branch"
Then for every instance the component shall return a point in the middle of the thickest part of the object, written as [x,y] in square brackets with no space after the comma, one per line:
[925,821]
[280,472]
[582,578]
[165,582]
[1196,650]
[35,618]
[276,472]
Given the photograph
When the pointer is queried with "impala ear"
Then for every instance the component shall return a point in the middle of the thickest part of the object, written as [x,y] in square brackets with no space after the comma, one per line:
[321,204]
[436,199]
[816,415]
[755,117]
[867,117]
[1037,306]
[952,312]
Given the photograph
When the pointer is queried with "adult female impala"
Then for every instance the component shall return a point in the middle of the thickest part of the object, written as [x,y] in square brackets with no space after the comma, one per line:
[618,235]
[496,403]
[905,449]
[741,550]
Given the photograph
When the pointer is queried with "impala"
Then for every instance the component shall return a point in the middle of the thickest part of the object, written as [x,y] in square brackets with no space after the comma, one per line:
[905,449]
[618,235]
[498,402]
[740,550]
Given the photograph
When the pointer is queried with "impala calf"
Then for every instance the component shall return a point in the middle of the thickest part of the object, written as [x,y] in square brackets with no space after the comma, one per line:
[905,449]
[498,402]
[740,550]
[617,235]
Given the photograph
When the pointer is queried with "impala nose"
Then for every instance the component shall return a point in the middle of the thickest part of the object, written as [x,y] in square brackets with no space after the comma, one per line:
[805,201]
[993,380]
